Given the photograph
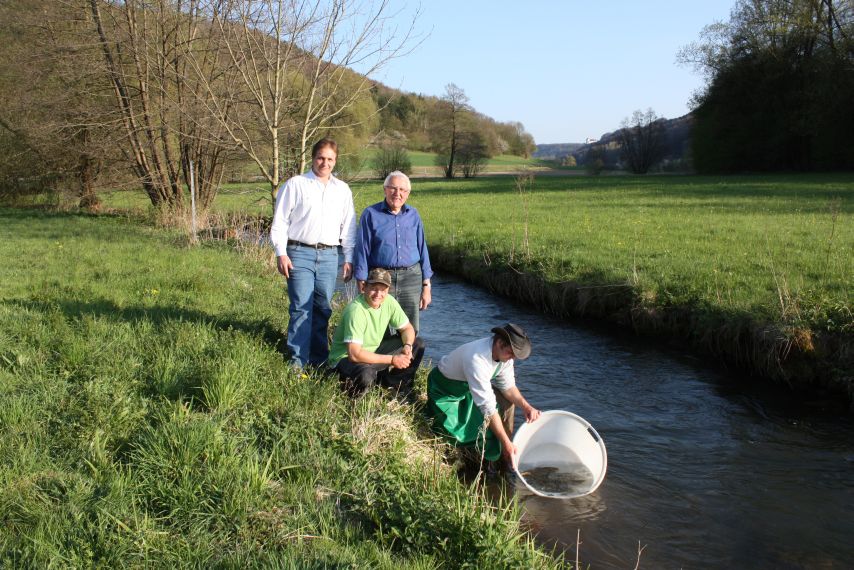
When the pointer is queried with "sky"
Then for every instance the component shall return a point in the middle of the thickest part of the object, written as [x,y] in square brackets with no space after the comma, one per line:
[566,70]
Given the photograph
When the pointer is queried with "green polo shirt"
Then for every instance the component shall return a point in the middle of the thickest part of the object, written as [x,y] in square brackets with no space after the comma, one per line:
[364,325]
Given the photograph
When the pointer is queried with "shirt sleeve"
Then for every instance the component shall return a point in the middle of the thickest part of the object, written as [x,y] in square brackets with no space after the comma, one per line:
[348,228]
[363,247]
[353,326]
[281,218]
[426,269]
[479,375]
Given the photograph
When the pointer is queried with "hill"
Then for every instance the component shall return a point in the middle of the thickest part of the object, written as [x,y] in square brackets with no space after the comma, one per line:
[677,138]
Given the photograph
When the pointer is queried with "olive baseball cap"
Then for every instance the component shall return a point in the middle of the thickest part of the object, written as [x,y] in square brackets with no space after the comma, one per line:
[380,275]
[517,338]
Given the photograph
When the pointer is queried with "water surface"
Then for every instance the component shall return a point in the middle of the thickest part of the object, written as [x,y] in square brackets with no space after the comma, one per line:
[704,471]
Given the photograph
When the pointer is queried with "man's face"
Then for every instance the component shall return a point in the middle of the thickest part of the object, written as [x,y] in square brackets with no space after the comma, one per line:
[396,193]
[375,294]
[323,162]
[502,352]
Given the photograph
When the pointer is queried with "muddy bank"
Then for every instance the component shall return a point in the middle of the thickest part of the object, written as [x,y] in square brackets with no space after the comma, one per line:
[818,364]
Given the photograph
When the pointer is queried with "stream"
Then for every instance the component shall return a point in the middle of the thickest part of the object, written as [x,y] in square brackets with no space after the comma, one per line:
[705,469]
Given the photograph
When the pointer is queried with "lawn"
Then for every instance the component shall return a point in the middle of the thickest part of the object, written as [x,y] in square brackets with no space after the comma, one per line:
[148,419]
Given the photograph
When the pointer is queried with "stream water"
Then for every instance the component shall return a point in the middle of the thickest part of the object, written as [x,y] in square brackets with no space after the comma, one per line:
[704,470]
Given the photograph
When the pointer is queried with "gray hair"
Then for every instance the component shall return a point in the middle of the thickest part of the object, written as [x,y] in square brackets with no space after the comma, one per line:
[397,174]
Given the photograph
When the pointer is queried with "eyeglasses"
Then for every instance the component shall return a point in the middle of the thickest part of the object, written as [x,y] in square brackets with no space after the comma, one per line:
[398,189]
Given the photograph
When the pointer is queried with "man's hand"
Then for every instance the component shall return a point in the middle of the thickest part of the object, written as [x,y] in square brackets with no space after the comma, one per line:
[401,360]
[347,272]
[284,265]
[426,298]
[510,454]
[531,413]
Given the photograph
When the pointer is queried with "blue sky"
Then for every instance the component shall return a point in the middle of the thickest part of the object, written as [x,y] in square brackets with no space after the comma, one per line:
[566,69]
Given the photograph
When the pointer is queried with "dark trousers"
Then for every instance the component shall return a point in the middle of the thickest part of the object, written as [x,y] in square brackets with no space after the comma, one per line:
[358,378]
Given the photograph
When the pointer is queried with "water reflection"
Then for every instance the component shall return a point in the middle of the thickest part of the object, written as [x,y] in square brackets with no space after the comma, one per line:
[703,471]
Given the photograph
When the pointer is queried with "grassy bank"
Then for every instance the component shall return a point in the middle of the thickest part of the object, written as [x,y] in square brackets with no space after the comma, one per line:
[147,418]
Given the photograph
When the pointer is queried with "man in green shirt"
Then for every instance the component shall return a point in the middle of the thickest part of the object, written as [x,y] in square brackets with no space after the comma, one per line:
[359,354]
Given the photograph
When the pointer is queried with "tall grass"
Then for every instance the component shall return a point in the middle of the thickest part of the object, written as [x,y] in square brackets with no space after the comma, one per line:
[148,419]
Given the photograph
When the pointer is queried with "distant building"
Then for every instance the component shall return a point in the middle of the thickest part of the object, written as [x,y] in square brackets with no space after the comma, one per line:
[588,140]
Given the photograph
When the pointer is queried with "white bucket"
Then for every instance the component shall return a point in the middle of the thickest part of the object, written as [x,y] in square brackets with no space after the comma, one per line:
[560,455]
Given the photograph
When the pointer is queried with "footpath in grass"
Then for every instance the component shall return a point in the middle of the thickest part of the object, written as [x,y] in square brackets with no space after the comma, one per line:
[147,418]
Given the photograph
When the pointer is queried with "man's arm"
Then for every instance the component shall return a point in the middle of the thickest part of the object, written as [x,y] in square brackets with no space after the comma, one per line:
[508,449]
[356,353]
[514,396]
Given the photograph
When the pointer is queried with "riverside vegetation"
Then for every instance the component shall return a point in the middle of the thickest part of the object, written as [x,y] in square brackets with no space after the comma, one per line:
[147,418]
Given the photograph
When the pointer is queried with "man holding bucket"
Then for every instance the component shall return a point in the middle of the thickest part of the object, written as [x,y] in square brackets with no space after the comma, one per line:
[460,396]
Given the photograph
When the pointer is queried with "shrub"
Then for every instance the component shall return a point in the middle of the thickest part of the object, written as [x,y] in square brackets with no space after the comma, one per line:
[390,158]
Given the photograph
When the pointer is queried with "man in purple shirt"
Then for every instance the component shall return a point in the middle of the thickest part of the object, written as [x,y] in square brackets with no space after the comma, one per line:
[391,236]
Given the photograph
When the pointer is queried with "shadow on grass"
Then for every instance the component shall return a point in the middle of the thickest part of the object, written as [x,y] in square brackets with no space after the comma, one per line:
[105,308]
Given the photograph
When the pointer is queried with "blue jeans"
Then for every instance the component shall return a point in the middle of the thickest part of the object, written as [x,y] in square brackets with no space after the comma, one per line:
[310,289]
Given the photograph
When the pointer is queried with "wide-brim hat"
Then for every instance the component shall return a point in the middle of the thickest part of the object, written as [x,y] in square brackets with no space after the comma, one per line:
[517,338]
[380,275]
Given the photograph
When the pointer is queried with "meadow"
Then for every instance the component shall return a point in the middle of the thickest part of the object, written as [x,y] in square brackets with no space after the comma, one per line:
[779,247]
[148,419]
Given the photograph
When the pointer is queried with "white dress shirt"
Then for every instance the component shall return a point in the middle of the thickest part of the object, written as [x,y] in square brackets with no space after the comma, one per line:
[309,211]
[472,363]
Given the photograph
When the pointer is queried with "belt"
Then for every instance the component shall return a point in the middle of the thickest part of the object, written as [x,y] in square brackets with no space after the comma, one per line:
[413,266]
[312,246]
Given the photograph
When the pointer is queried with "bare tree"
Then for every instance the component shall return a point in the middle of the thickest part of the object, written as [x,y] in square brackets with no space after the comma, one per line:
[642,140]
[452,112]
[290,79]
[146,49]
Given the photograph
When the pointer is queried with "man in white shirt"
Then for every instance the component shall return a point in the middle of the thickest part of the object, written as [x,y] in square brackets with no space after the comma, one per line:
[313,223]
[460,395]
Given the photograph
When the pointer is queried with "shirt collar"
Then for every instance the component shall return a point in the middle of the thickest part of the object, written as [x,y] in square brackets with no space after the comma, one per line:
[312,176]
[384,206]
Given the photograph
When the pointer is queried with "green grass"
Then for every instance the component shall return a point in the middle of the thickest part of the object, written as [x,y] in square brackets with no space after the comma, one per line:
[148,419]
[776,246]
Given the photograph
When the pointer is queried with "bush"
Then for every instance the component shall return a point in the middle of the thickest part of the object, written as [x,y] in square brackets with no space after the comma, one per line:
[390,158]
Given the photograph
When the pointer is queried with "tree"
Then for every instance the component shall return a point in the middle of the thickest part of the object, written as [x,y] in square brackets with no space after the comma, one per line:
[292,80]
[170,138]
[389,158]
[780,79]
[451,113]
[472,153]
[642,140]
[55,117]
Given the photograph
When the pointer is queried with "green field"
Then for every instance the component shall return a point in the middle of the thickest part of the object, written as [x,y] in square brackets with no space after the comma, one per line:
[779,246]
[776,246]
[148,419]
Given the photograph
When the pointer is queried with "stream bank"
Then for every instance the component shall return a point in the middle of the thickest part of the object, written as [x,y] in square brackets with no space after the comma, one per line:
[819,365]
